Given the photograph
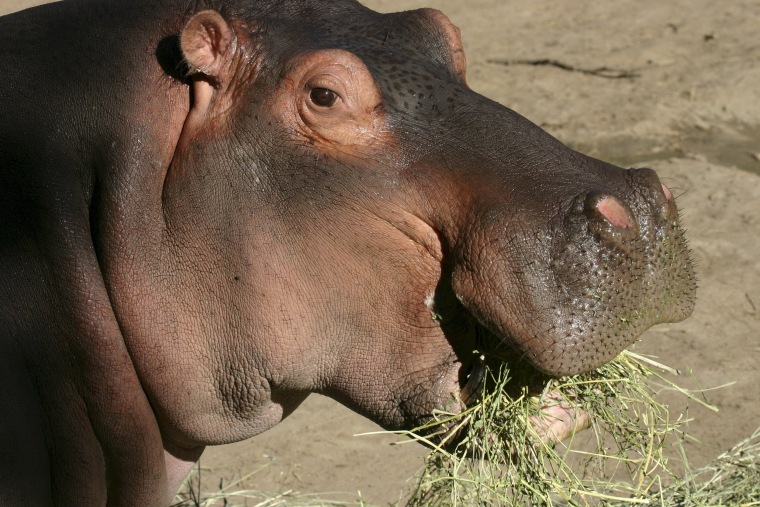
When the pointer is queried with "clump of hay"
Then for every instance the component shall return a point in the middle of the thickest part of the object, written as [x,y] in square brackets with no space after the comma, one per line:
[501,459]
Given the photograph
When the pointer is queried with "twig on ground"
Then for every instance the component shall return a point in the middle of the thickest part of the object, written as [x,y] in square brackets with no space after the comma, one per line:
[605,72]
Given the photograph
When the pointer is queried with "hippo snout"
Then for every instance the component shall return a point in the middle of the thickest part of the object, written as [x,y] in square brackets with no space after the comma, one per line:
[608,267]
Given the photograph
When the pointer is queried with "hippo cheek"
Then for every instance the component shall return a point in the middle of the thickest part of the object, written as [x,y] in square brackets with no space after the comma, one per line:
[412,358]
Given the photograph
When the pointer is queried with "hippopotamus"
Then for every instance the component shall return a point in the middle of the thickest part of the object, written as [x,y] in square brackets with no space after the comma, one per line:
[212,209]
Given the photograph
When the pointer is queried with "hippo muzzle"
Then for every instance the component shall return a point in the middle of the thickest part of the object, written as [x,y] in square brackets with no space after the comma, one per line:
[570,294]
[560,257]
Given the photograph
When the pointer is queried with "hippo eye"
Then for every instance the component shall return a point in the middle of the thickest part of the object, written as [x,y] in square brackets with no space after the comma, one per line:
[323,97]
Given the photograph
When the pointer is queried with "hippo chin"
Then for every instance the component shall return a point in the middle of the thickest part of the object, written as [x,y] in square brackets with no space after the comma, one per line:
[210,212]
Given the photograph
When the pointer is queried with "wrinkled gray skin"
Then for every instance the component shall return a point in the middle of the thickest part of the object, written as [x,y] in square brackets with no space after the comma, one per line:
[189,249]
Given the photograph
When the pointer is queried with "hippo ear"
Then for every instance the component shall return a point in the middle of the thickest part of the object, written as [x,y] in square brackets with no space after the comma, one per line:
[208,44]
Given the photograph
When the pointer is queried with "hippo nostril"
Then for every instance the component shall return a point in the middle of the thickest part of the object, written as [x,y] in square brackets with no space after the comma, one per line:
[609,207]
[614,212]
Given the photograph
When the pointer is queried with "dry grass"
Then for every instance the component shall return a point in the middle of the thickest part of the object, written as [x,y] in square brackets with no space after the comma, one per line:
[731,479]
[625,459]
[192,494]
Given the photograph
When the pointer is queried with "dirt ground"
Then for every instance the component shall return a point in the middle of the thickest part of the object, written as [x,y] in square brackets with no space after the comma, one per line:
[691,110]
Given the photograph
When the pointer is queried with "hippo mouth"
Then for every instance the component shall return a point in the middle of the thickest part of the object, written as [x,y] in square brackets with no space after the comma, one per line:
[556,421]
[480,379]
[491,358]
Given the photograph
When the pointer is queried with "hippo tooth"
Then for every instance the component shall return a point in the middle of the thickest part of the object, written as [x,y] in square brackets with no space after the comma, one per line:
[472,389]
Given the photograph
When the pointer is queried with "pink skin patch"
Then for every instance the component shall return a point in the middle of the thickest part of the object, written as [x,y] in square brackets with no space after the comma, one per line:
[614,212]
[666,191]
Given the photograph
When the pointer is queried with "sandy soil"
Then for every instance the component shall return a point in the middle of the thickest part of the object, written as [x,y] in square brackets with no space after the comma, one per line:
[692,112]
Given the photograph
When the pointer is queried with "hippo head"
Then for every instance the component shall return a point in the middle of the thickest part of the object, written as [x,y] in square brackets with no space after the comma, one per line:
[356,221]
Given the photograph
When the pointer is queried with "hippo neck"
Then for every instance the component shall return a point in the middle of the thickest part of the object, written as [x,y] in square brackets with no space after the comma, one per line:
[132,137]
